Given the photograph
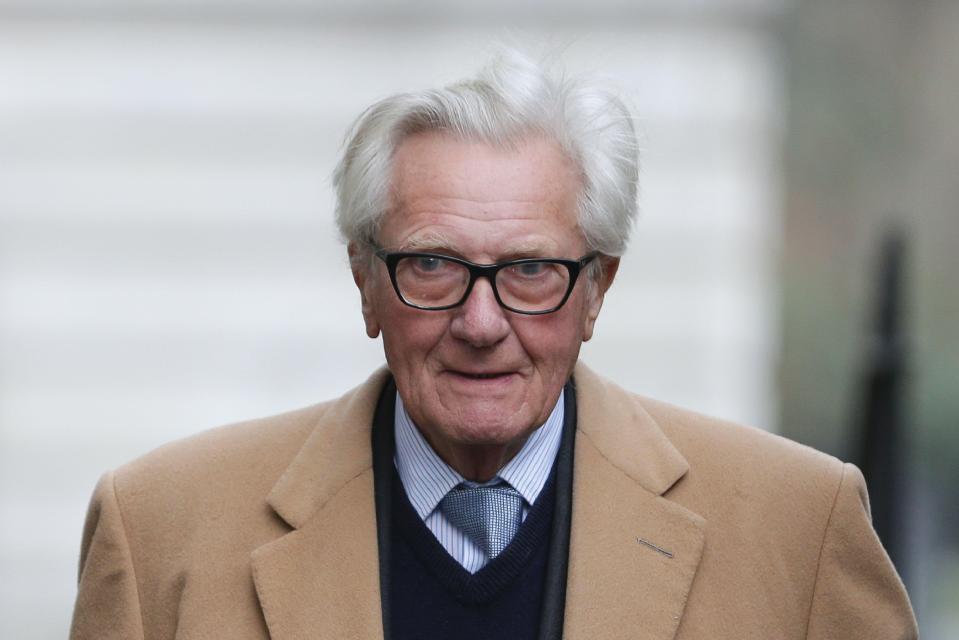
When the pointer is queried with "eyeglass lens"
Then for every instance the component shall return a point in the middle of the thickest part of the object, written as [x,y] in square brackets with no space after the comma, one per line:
[431,282]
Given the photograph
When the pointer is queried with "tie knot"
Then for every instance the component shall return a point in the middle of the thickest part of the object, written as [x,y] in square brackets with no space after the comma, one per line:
[489,515]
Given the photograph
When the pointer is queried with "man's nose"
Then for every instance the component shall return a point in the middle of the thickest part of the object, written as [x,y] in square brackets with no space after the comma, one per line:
[480,321]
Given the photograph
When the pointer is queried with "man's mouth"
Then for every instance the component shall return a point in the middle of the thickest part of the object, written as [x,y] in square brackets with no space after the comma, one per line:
[492,375]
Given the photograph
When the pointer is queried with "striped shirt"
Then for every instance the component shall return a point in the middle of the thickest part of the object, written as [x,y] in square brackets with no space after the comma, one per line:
[427,478]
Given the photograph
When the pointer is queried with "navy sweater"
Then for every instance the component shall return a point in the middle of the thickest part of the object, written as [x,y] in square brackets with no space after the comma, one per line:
[433,597]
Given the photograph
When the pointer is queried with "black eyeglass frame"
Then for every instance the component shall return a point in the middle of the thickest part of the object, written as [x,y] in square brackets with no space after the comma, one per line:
[488,271]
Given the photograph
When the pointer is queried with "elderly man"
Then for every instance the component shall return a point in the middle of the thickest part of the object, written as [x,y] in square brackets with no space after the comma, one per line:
[485,484]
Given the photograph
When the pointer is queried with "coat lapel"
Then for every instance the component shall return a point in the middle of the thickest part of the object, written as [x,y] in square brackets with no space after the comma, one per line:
[321,580]
[633,553]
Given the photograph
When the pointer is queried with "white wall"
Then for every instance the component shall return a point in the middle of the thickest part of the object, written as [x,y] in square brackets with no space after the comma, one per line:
[168,260]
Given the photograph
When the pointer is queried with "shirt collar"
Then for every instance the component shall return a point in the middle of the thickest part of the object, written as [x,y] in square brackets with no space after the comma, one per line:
[427,478]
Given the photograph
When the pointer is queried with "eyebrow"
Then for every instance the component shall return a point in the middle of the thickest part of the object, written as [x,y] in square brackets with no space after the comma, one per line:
[433,241]
[430,240]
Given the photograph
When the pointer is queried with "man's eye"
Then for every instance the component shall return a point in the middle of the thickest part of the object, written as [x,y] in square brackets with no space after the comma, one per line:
[530,269]
[428,264]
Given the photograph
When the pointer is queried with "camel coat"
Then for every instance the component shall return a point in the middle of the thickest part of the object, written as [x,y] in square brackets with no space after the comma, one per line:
[683,527]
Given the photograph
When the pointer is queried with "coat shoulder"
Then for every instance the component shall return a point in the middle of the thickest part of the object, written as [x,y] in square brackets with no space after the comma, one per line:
[699,435]
[674,443]
[729,461]
[244,458]
[235,443]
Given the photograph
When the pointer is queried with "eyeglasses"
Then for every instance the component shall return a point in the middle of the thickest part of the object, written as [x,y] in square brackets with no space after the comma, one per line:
[434,282]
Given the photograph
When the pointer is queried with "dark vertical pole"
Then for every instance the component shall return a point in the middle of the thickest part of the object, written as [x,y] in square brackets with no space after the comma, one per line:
[882,447]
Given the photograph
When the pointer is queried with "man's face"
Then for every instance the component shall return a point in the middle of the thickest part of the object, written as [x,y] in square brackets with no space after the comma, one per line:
[479,375]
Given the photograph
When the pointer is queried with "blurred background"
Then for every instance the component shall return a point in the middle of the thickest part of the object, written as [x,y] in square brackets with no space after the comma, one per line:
[168,260]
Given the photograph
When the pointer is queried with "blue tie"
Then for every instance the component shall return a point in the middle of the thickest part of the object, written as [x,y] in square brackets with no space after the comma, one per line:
[489,515]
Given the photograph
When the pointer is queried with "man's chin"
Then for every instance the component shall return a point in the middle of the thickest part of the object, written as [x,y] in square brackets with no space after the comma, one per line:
[491,435]
[490,423]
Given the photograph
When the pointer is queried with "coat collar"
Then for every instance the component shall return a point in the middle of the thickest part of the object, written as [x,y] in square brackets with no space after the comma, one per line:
[633,552]
[335,453]
[321,580]
[621,429]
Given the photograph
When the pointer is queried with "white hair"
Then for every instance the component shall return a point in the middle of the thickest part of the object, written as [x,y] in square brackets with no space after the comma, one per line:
[511,98]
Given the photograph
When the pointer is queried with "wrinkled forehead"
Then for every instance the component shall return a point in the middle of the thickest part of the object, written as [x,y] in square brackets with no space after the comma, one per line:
[438,164]
[449,192]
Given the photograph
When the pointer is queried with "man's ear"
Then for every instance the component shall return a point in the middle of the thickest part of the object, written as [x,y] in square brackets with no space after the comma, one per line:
[597,292]
[363,277]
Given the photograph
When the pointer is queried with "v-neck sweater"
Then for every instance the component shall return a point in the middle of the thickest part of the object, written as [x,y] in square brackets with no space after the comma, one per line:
[433,596]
